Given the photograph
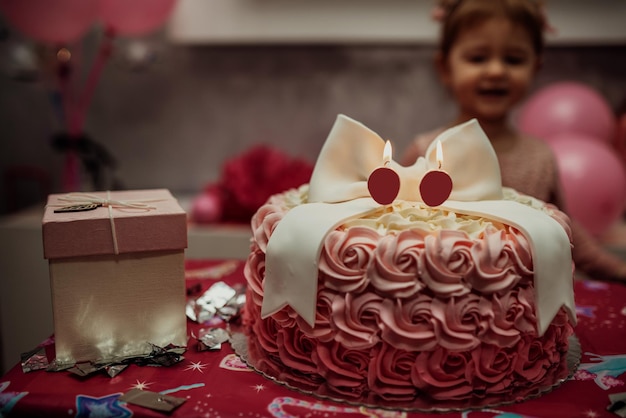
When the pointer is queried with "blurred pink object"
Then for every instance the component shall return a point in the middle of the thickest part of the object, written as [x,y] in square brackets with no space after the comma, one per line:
[247,181]
[593,179]
[51,21]
[207,206]
[134,17]
[567,107]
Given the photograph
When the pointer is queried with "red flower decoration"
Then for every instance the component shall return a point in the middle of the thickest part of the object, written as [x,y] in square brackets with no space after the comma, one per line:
[249,179]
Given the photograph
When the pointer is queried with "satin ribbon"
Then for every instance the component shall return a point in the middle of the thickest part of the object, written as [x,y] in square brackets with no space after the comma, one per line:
[338,192]
[110,204]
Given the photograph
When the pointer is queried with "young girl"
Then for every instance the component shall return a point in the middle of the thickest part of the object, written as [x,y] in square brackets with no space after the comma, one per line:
[489,53]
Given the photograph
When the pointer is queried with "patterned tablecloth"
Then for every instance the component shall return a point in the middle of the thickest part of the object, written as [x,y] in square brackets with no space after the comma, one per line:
[218,384]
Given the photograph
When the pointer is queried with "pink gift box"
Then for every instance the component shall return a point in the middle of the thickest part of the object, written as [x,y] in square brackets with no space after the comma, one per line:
[116,274]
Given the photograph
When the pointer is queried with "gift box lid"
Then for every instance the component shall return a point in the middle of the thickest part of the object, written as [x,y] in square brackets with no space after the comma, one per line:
[136,221]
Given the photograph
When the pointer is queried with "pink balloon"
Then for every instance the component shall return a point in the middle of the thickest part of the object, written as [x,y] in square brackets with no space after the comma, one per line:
[567,107]
[593,179]
[134,17]
[51,21]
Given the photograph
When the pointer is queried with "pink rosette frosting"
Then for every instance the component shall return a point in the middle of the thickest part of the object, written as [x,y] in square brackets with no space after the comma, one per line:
[263,361]
[408,323]
[498,266]
[493,369]
[323,330]
[533,361]
[286,318]
[254,271]
[523,253]
[345,370]
[299,367]
[346,257]
[265,334]
[447,260]
[389,374]
[461,321]
[396,265]
[264,351]
[264,221]
[356,319]
[443,374]
[295,349]
[513,315]
[537,356]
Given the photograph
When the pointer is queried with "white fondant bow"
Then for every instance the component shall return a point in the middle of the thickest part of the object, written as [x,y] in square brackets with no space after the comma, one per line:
[352,151]
[338,192]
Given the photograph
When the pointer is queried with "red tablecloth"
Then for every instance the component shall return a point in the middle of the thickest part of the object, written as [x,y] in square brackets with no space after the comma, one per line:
[217,384]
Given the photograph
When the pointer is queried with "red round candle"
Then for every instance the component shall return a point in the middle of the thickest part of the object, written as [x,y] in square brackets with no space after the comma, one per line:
[435,187]
[384,185]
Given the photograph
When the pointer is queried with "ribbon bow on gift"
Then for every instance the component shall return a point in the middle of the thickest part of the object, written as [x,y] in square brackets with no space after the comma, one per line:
[338,192]
[83,199]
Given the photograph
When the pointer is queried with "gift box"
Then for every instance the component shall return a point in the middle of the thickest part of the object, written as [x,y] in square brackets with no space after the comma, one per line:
[116,262]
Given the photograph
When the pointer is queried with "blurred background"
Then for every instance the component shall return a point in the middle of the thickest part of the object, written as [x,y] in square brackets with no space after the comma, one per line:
[174,100]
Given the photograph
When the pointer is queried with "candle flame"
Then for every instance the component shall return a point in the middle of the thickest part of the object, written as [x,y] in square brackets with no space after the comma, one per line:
[439,153]
[387,153]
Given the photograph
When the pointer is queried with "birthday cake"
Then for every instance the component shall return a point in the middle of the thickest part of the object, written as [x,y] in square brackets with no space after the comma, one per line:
[406,305]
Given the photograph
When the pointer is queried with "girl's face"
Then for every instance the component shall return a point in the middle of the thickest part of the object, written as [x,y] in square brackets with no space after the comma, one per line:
[489,68]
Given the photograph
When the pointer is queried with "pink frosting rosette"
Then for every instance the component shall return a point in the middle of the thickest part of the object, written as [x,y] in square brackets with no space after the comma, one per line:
[356,319]
[397,264]
[560,321]
[523,252]
[295,349]
[266,363]
[493,369]
[323,330]
[264,352]
[535,357]
[344,370]
[447,261]
[561,331]
[501,261]
[346,256]
[265,335]
[461,321]
[264,222]
[513,315]
[408,323]
[299,368]
[389,373]
[254,271]
[286,318]
[443,374]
